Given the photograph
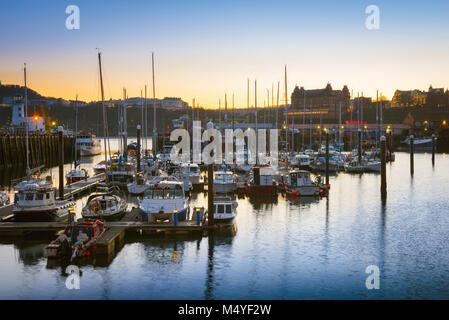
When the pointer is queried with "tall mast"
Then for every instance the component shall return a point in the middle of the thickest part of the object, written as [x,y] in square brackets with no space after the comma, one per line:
[146,121]
[339,127]
[26,117]
[233,113]
[125,129]
[76,126]
[277,107]
[219,110]
[104,119]
[304,119]
[226,110]
[381,116]
[154,147]
[286,111]
[255,110]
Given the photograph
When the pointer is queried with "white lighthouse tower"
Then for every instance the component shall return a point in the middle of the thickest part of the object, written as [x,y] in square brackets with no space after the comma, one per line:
[18,121]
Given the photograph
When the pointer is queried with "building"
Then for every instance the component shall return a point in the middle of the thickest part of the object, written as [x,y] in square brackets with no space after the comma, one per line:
[408,98]
[324,103]
[18,124]
[166,103]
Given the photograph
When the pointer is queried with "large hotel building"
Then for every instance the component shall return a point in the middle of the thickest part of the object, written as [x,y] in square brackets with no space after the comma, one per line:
[320,102]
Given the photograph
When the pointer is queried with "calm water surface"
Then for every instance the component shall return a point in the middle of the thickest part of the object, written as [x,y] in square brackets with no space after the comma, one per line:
[289,249]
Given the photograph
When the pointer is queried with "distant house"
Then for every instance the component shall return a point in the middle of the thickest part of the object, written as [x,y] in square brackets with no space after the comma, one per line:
[427,119]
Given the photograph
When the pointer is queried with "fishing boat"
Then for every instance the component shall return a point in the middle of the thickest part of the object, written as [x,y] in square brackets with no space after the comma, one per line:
[224,182]
[4,199]
[77,240]
[35,201]
[88,145]
[120,172]
[263,182]
[424,143]
[166,198]
[179,175]
[76,175]
[302,161]
[225,210]
[192,170]
[104,206]
[299,183]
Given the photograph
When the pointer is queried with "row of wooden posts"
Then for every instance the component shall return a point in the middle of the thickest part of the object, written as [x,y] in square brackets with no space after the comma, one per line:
[43,150]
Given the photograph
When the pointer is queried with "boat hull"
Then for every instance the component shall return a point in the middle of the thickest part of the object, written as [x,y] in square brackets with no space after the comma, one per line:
[225,188]
[304,191]
[51,215]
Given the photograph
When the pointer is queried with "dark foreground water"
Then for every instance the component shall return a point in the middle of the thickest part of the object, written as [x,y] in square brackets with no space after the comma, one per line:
[302,249]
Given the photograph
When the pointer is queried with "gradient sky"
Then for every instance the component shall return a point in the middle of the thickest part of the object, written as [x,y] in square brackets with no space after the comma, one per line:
[206,48]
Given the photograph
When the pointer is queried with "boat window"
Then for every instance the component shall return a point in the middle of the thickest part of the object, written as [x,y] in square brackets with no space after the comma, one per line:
[178,193]
[194,169]
[228,208]
[169,194]
[220,208]
[40,196]
[158,194]
[148,194]
[29,196]
[48,196]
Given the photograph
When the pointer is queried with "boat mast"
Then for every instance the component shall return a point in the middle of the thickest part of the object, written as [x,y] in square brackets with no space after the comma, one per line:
[146,122]
[277,107]
[154,146]
[233,113]
[26,118]
[76,128]
[104,119]
[286,111]
[255,111]
[304,120]
[125,133]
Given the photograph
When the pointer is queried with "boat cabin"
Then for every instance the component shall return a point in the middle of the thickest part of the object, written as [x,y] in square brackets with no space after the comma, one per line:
[299,178]
[166,190]
[263,175]
[34,193]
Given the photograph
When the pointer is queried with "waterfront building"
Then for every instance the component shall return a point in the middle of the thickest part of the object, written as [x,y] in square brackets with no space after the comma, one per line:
[322,103]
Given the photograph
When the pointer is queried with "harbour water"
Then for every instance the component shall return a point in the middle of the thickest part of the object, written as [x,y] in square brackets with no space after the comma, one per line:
[289,249]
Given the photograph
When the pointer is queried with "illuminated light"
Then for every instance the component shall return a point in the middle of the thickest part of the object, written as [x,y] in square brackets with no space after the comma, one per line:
[388,127]
[325,129]
[342,127]
[53,123]
[365,127]
[36,118]
[444,122]
[348,110]
[318,127]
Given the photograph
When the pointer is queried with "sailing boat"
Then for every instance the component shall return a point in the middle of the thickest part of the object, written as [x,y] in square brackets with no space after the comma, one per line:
[104,205]
[35,199]
[76,175]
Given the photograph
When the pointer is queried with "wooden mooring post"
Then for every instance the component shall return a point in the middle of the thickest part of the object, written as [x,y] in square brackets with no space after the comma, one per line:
[327,158]
[412,151]
[433,149]
[210,195]
[359,143]
[383,168]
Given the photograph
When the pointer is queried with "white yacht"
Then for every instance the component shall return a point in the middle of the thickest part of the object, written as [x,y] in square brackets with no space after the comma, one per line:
[88,145]
[35,201]
[164,200]
[224,182]
[299,183]
[225,210]
[192,170]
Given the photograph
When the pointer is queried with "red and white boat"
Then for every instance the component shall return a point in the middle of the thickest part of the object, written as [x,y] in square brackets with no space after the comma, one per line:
[76,175]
